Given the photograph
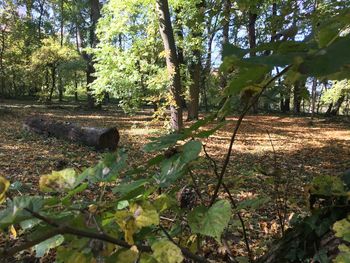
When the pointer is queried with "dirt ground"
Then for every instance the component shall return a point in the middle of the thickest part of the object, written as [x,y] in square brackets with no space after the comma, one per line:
[300,149]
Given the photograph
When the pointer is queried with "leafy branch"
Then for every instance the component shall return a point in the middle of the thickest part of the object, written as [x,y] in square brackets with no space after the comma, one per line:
[63,229]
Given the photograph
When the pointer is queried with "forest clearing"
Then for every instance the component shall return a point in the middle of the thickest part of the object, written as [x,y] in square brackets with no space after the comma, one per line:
[170,131]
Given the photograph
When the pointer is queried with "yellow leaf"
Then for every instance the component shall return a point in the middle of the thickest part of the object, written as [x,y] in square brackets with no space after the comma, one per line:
[145,214]
[4,185]
[13,231]
[127,223]
[58,180]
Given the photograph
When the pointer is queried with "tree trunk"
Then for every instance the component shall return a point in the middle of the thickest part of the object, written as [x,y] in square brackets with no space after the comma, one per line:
[94,15]
[62,22]
[180,52]
[313,97]
[2,71]
[297,97]
[225,34]
[167,34]
[76,87]
[252,44]
[193,105]
[41,12]
[337,106]
[100,138]
[53,86]
[196,67]
[329,110]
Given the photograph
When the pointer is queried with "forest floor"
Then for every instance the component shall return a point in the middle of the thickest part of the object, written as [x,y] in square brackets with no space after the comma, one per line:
[298,148]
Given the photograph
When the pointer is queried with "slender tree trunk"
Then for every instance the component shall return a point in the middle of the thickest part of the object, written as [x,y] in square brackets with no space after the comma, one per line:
[196,68]
[76,87]
[180,52]
[193,106]
[297,97]
[313,97]
[60,86]
[337,106]
[252,43]
[53,78]
[329,110]
[225,34]
[41,11]
[319,101]
[167,34]
[207,72]
[2,71]
[94,15]
[62,21]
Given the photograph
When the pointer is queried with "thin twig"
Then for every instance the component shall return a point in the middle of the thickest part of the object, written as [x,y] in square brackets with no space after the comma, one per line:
[233,204]
[13,250]
[184,251]
[235,131]
[196,187]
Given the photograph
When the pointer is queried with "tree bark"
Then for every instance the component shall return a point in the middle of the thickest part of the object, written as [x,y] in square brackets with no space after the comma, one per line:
[337,105]
[225,34]
[100,138]
[313,97]
[167,34]
[94,16]
[53,86]
[252,44]
[297,97]
[196,68]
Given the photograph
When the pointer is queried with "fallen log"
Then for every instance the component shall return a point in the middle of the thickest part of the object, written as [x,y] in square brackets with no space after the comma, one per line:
[100,138]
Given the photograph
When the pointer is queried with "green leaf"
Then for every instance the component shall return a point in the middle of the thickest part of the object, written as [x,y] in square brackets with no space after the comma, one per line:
[163,142]
[126,188]
[342,229]
[15,213]
[171,170]
[344,255]
[44,247]
[156,160]
[247,75]
[164,202]
[127,256]
[329,60]
[330,27]
[64,255]
[167,252]
[75,191]
[231,50]
[147,258]
[328,185]
[254,203]
[29,223]
[212,221]
[207,133]
[321,256]
[191,150]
